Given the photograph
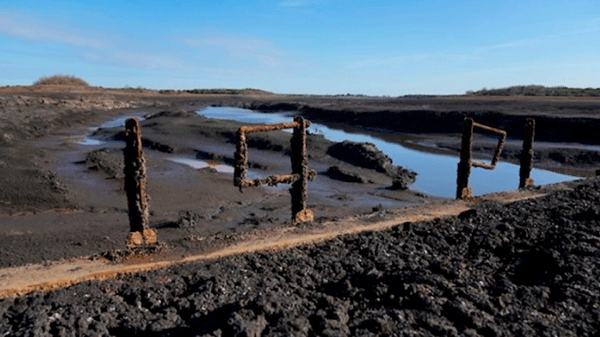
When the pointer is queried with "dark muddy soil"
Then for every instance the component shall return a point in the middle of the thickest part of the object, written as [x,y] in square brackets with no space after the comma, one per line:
[557,119]
[525,269]
[55,190]
[529,268]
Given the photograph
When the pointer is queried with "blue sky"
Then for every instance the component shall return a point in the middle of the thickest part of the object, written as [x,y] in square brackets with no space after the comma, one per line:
[304,46]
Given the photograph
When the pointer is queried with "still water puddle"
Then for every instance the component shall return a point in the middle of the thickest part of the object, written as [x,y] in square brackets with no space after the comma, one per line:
[222,168]
[111,124]
[436,172]
[200,164]
[120,123]
[90,141]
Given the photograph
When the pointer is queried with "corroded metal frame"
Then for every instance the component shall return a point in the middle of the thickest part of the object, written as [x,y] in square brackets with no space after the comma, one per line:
[241,158]
[463,191]
[300,174]
[501,142]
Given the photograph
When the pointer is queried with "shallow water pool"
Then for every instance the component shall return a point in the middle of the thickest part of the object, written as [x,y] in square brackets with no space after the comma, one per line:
[436,172]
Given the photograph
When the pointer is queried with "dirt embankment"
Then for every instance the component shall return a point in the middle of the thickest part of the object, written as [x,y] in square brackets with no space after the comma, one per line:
[527,268]
[560,121]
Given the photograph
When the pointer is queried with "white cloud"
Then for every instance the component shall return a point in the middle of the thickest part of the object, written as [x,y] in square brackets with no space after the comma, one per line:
[260,50]
[408,58]
[587,30]
[147,60]
[96,50]
[589,27]
[507,45]
[35,32]
[136,60]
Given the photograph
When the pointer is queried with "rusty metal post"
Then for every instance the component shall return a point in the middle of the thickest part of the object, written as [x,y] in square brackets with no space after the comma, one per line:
[527,155]
[135,186]
[498,151]
[299,157]
[464,166]
[241,159]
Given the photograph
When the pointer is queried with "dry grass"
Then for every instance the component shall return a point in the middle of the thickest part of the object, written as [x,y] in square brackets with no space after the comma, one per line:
[62,80]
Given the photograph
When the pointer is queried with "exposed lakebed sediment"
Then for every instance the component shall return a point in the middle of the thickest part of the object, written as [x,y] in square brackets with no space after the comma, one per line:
[527,268]
[186,137]
[81,186]
[436,168]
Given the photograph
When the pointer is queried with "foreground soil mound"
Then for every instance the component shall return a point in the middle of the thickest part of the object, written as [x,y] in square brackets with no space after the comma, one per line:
[523,269]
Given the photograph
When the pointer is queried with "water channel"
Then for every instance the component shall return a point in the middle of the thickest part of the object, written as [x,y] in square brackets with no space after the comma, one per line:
[436,172]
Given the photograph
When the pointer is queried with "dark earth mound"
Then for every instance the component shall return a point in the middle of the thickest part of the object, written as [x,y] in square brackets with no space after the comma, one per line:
[523,269]
[105,160]
[361,154]
[367,155]
[335,172]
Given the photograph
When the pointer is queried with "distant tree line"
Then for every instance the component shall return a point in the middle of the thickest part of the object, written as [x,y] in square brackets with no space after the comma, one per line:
[537,90]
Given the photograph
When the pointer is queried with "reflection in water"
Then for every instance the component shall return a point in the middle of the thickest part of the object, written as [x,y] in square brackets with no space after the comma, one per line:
[200,164]
[437,173]
[90,141]
[112,124]
[118,122]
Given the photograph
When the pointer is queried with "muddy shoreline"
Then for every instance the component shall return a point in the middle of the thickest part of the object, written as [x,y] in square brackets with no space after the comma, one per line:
[73,196]
[437,128]
[60,199]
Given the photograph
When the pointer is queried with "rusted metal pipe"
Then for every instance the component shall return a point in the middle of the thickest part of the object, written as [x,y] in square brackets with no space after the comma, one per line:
[135,186]
[463,190]
[269,127]
[271,180]
[527,155]
[464,165]
[241,155]
[488,128]
[498,150]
